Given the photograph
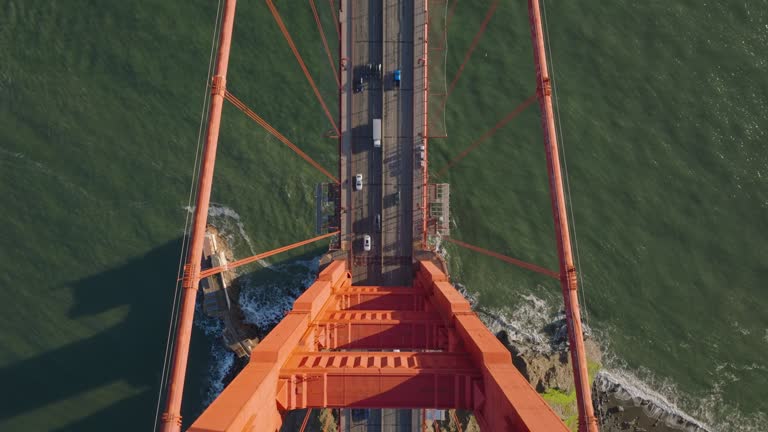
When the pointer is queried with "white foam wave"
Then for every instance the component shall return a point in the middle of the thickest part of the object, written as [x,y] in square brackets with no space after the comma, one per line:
[221,364]
[525,324]
[708,410]
[230,226]
[626,386]
[220,360]
[265,305]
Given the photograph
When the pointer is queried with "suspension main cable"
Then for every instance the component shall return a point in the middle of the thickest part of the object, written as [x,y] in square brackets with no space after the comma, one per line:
[170,339]
[559,126]
[565,167]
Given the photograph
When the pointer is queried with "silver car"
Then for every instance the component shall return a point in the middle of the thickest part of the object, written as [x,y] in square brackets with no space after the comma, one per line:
[366,243]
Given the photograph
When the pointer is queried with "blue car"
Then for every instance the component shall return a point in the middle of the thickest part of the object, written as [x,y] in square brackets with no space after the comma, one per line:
[397,78]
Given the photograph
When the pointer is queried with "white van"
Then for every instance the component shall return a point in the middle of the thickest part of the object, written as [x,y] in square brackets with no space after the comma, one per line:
[377,133]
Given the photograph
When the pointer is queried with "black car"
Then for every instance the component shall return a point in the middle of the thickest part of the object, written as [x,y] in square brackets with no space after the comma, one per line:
[358,87]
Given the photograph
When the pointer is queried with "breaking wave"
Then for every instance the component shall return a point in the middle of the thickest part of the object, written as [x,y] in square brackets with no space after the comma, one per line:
[220,359]
[525,326]
[662,399]
[231,227]
[264,305]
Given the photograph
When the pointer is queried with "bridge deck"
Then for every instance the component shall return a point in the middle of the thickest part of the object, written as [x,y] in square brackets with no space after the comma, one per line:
[376,32]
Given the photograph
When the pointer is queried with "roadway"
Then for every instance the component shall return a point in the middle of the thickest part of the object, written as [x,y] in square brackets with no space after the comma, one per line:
[398,150]
[363,47]
[376,33]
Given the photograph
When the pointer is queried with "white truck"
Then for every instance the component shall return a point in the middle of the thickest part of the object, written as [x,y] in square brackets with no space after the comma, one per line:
[377,133]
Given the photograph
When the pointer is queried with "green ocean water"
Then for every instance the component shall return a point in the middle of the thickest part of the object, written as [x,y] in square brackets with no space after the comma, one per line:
[663,118]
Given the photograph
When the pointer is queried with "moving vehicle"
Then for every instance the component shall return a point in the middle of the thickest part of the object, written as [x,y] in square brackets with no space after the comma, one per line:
[359,182]
[396,77]
[358,86]
[377,133]
[359,415]
[378,222]
[366,243]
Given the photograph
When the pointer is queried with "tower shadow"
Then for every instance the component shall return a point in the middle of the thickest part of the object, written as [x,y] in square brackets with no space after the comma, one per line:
[129,352]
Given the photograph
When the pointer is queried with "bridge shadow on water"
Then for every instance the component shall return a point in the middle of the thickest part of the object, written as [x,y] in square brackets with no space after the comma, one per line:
[128,354]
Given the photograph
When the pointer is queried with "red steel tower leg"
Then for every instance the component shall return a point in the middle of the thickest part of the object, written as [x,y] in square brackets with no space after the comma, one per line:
[587,421]
[171,421]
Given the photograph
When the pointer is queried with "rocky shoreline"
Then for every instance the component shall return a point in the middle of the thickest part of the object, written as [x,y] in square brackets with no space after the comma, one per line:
[539,347]
[544,360]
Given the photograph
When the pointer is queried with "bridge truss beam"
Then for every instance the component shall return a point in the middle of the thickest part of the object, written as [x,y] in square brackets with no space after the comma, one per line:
[292,369]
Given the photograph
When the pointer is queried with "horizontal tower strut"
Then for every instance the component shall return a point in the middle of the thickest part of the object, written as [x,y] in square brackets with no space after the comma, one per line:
[288,371]
[382,330]
[380,379]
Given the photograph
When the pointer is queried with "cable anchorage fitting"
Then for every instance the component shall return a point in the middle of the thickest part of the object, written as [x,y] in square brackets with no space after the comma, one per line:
[572,279]
[171,418]
[545,88]
[188,281]
[218,85]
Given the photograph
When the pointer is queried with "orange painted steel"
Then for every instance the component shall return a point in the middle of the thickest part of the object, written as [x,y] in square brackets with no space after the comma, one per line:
[263,123]
[456,420]
[325,42]
[306,420]
[296,54]
[381,330]
[517,262]
[508,118]
[171,419]
[235,264]
[587,420]
[290,369]
[475,41]
[335,18]
[425,137]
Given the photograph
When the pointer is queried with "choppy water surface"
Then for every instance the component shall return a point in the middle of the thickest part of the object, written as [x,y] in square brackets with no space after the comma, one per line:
[663,117]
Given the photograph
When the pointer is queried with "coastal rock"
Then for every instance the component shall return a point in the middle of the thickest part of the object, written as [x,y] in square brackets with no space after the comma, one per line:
[621,407]
[543,370]
[544,360]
